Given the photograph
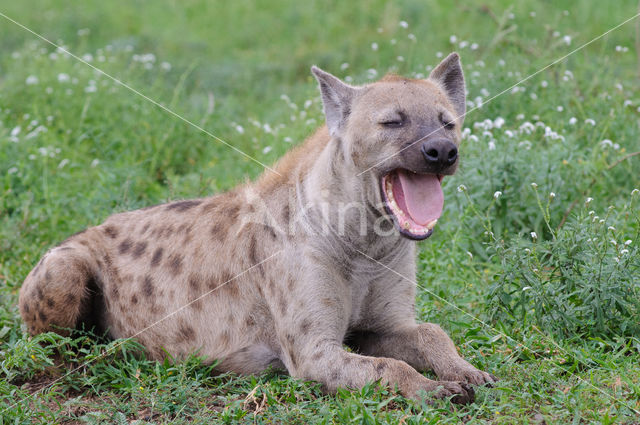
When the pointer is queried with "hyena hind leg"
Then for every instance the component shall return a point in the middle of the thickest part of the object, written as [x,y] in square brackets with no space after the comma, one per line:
[60,293]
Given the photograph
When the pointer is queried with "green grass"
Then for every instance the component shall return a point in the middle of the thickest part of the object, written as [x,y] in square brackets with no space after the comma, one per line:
[560,313]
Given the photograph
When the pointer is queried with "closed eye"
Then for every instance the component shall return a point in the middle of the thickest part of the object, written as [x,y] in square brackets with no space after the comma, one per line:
[447,122]
[393,122]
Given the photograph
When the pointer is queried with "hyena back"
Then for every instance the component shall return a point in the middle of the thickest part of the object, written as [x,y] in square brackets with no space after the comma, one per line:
[284,271]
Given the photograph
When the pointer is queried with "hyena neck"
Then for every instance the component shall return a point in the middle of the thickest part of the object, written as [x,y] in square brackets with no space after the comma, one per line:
[337,208]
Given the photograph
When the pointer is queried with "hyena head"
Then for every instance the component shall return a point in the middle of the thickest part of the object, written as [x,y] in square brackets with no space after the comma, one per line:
[400,137]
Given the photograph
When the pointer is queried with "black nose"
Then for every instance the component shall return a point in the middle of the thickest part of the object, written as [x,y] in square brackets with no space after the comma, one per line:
[439,152]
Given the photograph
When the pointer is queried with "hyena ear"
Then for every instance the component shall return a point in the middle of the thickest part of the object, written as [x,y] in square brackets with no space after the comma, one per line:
[449,75]
[336,98]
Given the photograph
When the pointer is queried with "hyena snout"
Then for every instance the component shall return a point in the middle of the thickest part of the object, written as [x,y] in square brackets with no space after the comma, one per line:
[439,154]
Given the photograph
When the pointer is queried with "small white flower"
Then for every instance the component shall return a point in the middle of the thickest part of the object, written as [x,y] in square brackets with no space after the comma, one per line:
[526,288]
[497,194]
[492,145]
[266,149]
[239,129]
[87,57]
[534,185]
[606,143]
[627,242]
[559,108]
[613,229]
[567,39]
[63,78]
[589,121]
[462,188]
[404,24]
[12,170]
[635,192]
[288,139]
[624,251]
[16,130]
[453,39]
[613,242]
[63,163]
[400,58]
[527,250]
[544,83]
[166,66]
[344,66]
[474,46]
[534,235]
[587,202]
[95,163]
[31,80]
[439,55]
[374,46]
[552,195]
[470,255]
[573,120]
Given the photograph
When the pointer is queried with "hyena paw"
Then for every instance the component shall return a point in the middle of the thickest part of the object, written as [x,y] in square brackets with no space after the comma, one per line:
[462,392]
[465,372]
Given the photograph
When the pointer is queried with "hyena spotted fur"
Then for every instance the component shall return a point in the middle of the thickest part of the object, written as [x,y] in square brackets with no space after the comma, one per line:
[279,272]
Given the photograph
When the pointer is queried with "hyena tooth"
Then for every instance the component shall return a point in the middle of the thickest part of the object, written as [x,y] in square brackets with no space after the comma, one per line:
[407,225]
[431,224]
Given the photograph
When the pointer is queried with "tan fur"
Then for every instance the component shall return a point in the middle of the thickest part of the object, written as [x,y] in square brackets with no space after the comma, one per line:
[283,287]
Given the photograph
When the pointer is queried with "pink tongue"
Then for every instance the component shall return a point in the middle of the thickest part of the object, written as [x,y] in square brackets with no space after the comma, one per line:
[423,196]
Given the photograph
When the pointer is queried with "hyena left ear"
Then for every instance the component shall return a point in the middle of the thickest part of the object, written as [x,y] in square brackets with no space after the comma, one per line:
[449,75]
[336,98]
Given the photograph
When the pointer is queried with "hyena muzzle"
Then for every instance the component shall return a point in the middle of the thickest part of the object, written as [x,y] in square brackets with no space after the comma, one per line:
[284,272]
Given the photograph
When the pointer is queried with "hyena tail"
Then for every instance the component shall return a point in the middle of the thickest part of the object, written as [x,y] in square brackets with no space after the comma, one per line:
[61,292]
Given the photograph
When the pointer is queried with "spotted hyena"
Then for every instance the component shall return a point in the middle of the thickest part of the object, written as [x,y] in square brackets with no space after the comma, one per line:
[317,254]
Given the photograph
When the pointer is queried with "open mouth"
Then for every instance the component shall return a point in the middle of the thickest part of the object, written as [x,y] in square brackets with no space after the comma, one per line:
[414,200]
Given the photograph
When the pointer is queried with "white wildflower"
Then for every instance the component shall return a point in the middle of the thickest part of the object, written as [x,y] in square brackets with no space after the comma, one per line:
[573,120]
[534,185]
[404,24]
[12,170]
[374,46]
[31,80]
[462,188]
[589,121]
[266,149]
[497,194]
[534,235]
[63,163]
[95,163]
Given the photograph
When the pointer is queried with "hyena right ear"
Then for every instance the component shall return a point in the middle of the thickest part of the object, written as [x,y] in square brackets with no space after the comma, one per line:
[336,98]
[449,75]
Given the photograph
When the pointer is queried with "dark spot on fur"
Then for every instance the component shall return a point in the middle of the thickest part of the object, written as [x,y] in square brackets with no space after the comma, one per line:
[283,306]
[50,302]
[157,256]
[175,264]
[183,205]
[26,308]
[249,322]
[110,231]
[147,286]
[381,366]
[253,254]
[115,293]
[217,231]
[185,333]
[290,339]
[194,283]
[39,293]
[316,356]
[125,246]
[285,214]
[134,299]
[42,315]
[335,375]
[145,227]
[69,298]
[139,249]
[65,248]
[304,326]
[232,212]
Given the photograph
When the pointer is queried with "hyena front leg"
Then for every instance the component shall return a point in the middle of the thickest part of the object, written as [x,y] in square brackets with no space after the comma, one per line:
[310,330]
[424,346]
